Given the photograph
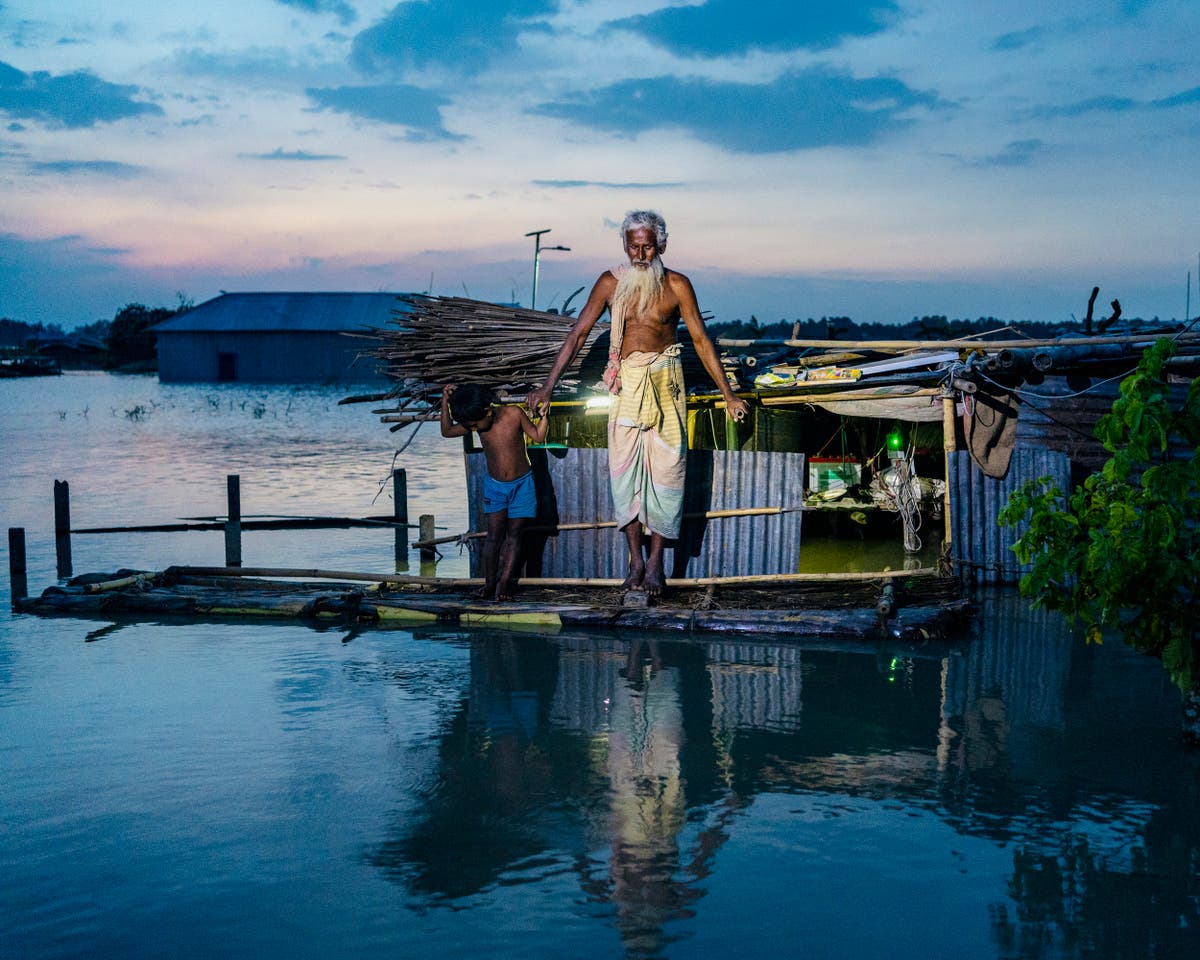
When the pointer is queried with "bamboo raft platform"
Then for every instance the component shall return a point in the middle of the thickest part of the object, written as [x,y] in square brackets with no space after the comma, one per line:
[913,606]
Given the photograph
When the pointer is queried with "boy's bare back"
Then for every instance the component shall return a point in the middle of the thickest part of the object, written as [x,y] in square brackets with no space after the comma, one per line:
[504,444]
[502,431]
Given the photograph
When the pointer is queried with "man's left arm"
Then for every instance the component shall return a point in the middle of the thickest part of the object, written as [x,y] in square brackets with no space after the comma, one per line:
[737,408]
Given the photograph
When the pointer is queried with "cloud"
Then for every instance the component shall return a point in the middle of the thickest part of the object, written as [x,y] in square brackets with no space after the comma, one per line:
[105,168]
[725,27]
[1019,153]
[275,67]
[79,99]
[572,184]
[1110,104]
[1179,99]
[801,110]
[90,281]
[344,12]
[394,103]
[1019,39]
[280,154]
[1091,105]
[462,35]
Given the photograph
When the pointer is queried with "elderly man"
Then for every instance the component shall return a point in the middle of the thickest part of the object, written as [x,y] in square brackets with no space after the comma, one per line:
[647,422]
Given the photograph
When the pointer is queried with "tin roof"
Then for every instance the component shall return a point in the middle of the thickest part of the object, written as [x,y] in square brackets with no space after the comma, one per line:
[287,312]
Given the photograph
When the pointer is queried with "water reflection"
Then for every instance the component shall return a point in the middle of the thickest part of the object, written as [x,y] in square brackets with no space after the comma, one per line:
[1021,795]
[630,763]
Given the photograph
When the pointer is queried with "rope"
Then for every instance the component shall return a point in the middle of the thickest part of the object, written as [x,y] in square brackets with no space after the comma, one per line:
[908,504]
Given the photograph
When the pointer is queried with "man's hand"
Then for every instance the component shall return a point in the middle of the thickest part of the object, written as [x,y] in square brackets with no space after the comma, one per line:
[737,408]
[538,399]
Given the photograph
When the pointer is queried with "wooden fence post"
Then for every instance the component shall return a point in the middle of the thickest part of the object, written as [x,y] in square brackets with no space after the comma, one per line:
[17,574]
[429,555]
[62,527]
[400,512]
[233,521]
[949,445]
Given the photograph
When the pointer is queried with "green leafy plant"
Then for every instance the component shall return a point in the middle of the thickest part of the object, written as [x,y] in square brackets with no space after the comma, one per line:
[1122,551]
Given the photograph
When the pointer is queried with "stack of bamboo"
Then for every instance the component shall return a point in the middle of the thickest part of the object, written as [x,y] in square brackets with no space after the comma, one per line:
[453,339]
[439,340]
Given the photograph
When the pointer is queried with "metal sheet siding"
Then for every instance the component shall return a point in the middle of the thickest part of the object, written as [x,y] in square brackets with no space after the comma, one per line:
[573,487]
[981,547]
[1059,415]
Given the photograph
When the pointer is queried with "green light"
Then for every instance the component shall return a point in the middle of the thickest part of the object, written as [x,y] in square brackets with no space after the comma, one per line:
[895,441]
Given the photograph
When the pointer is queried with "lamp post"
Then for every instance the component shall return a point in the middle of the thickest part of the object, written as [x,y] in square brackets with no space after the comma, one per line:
[538,250]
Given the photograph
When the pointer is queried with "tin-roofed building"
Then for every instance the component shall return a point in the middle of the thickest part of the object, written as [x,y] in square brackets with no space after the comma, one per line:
[274,338]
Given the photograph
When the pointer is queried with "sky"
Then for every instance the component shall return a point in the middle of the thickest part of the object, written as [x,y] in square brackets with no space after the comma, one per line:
[877,159]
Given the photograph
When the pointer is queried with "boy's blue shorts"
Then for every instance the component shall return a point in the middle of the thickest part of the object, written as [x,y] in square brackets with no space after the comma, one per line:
[518,496]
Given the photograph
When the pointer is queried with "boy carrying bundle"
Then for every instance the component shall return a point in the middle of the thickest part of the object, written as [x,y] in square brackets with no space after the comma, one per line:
[509,499]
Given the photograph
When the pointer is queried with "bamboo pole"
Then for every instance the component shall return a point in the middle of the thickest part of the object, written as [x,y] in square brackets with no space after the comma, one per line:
[104,586]
[427,528]
[963,343]
[282,523]
[844,395]
[762,579]
[949,445]
[400,514]
[601,524]
[62,527]
[233,526]
[17,568]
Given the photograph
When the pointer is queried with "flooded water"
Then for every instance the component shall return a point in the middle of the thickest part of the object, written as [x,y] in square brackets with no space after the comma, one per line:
[244,789]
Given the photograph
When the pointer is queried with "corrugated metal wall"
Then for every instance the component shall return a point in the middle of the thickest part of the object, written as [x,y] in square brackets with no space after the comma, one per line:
[573,487]
[981,547]
[1056,415]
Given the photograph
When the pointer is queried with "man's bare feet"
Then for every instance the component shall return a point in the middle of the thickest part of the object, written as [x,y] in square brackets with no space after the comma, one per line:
[637,573]
[486,592]
[504,592]
[653,583]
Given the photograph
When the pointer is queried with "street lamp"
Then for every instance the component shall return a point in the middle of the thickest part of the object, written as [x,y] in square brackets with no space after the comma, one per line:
[538,250]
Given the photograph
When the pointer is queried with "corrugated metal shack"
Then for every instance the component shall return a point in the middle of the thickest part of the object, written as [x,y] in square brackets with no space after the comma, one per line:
[844,435]
[273,338]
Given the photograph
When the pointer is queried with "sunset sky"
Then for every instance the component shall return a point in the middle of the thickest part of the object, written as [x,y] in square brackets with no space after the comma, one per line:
[881,159]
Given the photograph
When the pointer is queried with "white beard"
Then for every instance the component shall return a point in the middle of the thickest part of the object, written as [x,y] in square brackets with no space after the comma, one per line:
[638,288]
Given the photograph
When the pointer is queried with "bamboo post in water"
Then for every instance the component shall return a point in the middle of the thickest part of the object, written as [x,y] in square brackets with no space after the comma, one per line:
[233,521]
[949,445]
[427,530]
[17,570]
[400,512]
[62,526]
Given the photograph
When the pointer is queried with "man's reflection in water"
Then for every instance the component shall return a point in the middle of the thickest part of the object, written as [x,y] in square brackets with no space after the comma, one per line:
[648,807]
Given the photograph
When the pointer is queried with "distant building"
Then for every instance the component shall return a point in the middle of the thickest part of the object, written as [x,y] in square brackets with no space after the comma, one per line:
[71,351]
[274,338]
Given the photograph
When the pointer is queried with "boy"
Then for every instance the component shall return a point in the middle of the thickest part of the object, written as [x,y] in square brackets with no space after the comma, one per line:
[508,494]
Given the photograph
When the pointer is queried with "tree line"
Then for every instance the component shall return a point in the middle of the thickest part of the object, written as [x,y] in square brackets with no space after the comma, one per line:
[931,327]
[127,338]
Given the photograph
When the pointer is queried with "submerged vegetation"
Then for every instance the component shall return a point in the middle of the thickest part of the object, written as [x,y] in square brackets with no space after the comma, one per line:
[1122,552]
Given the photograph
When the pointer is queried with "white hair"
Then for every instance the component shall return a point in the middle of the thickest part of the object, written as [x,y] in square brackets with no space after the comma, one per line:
[648,220]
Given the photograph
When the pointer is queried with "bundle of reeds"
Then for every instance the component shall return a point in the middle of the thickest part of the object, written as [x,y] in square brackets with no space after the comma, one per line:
[437,340]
